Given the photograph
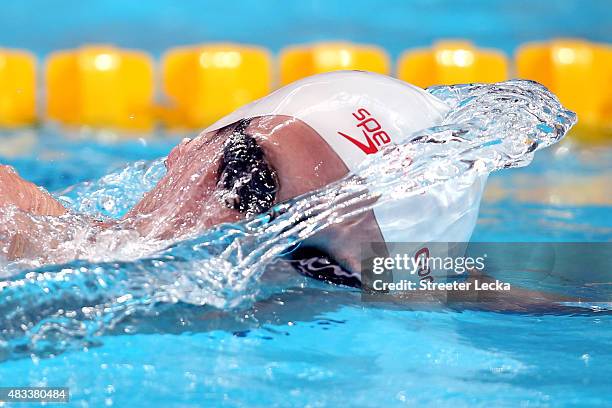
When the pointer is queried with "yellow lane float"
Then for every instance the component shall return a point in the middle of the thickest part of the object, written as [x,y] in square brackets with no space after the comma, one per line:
[101,86]
[579,73]
[452,62]
[106,86]
[297,62]
[17,88]
[204,83]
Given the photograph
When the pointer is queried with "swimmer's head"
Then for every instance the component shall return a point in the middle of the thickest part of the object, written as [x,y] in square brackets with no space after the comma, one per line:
[239,170]
[298,139]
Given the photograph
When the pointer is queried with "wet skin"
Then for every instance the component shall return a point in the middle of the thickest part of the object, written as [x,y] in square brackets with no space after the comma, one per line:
[24,195]
[227,175]
[301,160]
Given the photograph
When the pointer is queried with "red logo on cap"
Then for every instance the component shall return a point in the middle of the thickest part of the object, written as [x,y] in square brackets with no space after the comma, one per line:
[370,148]
[372,130]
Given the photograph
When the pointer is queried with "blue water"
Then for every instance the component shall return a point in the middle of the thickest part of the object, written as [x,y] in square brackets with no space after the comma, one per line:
[43,26]
[317,345]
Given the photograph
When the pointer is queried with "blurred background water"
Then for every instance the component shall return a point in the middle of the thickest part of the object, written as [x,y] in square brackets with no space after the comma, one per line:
[43,26]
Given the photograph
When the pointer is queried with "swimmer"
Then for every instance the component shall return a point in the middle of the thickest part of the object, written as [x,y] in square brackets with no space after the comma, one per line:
[298,139]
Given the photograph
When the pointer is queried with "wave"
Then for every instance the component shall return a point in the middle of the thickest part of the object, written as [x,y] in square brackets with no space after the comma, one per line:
[490,127]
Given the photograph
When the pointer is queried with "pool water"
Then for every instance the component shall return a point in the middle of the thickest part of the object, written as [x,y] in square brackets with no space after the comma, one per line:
[312,344]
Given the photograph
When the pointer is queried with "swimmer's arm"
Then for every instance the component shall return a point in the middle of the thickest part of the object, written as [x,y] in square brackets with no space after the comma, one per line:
[20,235]
[28,197]
[517,299]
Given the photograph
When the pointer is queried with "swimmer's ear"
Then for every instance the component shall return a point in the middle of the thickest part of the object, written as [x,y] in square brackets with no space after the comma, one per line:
[248,181]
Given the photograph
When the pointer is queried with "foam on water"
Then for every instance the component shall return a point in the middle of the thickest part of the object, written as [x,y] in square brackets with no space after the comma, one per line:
[489,127]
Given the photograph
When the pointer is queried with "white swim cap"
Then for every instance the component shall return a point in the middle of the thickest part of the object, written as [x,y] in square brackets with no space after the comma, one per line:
[357,113]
